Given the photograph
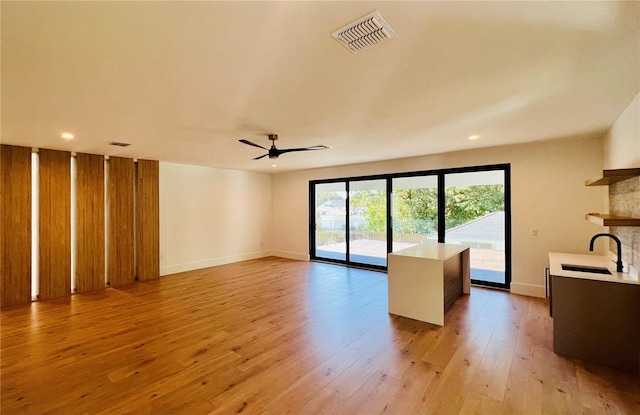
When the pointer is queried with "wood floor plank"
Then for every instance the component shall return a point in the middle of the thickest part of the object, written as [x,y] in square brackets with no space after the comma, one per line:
[493,372]
[524,393]
[274,336]
[603,392]
[352,379]
[453,383]
[408,342]
[478,404]
[560,390]
[326,401]
[298,393]
[408,398]
[279,376]
[371,397]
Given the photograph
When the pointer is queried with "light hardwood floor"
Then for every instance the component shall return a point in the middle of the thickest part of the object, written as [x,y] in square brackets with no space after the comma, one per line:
[275,336]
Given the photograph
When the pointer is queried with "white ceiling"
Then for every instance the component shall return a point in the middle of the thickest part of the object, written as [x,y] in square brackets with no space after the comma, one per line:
[182,82]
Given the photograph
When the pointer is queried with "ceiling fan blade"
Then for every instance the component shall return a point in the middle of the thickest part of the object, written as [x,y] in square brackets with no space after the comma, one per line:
[289,150]
[318,147]
[258,158]
[252,144]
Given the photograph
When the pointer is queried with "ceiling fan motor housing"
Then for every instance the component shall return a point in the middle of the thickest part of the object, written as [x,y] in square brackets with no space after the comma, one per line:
[273,152]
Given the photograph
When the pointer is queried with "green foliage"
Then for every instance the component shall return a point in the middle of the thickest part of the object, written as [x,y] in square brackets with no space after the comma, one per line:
[465,203]
[375,209]
[416,210]
[322,197]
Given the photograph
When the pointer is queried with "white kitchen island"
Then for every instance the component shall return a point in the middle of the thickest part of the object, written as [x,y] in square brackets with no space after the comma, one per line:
[425,280]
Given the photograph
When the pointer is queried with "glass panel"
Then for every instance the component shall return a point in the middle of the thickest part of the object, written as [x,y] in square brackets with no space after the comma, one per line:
[331,220]
[368,222]
[414,206]
[475,216]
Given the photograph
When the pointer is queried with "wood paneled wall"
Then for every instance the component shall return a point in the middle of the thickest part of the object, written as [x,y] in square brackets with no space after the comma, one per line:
[121,267]
[90,222]
[129,253]
[15,232]
[148,220]
[55,224]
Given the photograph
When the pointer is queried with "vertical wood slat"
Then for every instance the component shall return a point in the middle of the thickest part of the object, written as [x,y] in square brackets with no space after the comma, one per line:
[90,222]
[148,220]
[121,223]
[15,232]
[55,224]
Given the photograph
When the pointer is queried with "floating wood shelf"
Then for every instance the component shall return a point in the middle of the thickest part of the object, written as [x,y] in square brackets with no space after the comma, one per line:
[613,176]
[605,219]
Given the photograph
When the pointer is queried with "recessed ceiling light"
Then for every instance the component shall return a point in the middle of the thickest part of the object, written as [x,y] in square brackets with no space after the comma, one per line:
[274,165]
[473,137]
[67,136]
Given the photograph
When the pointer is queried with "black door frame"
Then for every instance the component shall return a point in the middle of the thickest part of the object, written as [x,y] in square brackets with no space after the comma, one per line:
[440,173]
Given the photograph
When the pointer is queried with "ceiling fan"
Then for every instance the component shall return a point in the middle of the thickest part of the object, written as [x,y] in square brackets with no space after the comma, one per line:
[274,153]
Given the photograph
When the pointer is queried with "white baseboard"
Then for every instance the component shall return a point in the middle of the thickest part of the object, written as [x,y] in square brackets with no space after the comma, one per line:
[212,262]
[528,289]
[289,255]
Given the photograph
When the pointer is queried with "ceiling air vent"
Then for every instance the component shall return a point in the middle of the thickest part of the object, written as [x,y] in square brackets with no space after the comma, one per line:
[364,33]
[119,144]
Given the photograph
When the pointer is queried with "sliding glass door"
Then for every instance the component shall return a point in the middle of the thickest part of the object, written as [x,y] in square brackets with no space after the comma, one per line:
[475,216]
[350,222]
[359,220]
[414,207]
[330,221]
[368,222]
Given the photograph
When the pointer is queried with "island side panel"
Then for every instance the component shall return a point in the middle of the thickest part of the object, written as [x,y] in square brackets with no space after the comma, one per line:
[466,271]
[416,288]
[453,277]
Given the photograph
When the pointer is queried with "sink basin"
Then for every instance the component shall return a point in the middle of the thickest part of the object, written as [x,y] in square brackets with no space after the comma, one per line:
[584,268]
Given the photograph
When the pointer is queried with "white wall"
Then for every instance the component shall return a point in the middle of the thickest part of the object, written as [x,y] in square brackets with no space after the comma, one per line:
[548,194]
[622,141]
[622,151]
[212,216]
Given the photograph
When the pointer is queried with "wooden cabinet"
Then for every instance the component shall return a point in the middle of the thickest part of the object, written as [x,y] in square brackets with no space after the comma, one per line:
[610,177]
[597,321]
[595,315]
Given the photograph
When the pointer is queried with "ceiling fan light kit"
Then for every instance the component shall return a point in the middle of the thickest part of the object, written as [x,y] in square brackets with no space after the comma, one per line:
[274,152]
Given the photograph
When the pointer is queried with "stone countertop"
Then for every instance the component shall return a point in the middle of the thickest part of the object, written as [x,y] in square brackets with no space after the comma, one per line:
[556,260]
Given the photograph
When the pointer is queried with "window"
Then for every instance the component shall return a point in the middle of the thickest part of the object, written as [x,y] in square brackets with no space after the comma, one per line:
[359,220]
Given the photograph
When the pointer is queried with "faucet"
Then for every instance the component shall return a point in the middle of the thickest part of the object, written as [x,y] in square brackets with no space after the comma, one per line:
[618,244]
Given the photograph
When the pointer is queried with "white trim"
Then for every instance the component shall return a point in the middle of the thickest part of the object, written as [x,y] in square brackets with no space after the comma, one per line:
[528,290]
[212,262]
[290,255]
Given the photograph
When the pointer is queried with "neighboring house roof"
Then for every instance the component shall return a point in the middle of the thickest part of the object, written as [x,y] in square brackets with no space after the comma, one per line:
[334,203]
[487,228]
